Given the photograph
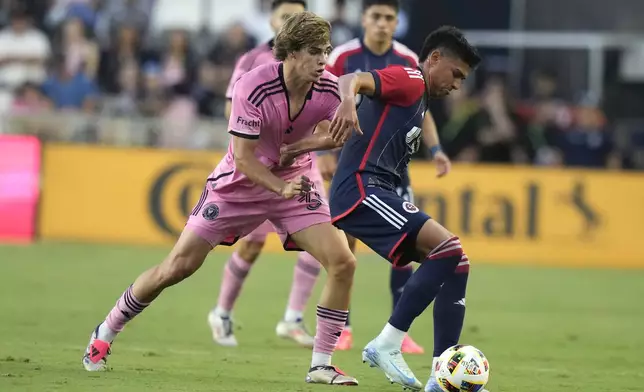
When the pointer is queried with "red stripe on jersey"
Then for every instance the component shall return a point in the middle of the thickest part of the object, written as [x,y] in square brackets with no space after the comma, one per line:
[357,203]
[393,250]
[374,137]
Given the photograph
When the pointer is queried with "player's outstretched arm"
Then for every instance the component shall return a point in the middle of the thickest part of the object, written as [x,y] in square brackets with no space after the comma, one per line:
[346,118]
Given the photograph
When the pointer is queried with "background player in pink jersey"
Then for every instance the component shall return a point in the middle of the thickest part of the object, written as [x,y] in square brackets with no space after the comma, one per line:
[376,50]
[237,268]
[273,105]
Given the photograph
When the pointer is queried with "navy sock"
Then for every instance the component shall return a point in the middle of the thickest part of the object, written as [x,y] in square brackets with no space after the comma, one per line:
[397,280]
[449,312]
[426,282]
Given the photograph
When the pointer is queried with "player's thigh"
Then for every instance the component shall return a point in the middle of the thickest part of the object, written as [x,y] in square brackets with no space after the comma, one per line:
[305,224]
[250,247]
[327,244]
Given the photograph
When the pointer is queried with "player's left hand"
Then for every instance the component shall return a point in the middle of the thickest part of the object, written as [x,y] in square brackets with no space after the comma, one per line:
[443,164]
[344,122]
[287,158]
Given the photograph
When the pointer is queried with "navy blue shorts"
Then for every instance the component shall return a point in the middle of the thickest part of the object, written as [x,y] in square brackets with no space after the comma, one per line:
[386,223]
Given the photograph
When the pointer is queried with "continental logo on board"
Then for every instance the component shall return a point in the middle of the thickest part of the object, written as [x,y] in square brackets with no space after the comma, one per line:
[174,192]
[503,214]
[496,214]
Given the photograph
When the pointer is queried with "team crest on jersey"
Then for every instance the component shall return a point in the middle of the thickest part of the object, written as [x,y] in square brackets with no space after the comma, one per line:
[412,209]
[210,212]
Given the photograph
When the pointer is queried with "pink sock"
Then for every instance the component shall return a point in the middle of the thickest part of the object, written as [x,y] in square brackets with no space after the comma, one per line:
[235,272]
[305,274]
[127,306]
[330,323]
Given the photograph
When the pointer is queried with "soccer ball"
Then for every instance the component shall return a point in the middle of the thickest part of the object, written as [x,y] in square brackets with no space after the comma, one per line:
[462,369]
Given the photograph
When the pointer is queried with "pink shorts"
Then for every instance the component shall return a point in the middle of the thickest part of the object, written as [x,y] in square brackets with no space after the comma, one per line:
[260,233]
[223,222]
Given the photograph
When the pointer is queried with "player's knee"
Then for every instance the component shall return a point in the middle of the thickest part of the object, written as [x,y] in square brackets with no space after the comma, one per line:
[342,268]
[249,251]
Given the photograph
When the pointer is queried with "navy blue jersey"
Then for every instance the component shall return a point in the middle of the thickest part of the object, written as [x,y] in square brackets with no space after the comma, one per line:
[391,121]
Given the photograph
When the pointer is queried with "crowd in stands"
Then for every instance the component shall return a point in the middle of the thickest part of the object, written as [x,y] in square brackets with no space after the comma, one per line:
[99,59]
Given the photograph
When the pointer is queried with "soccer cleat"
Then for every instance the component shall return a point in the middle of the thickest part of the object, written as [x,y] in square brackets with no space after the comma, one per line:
[222,330]
[295,331]
[411,347]
[432,386]
[329,375]
[96,353]
[346,340]
[392,363]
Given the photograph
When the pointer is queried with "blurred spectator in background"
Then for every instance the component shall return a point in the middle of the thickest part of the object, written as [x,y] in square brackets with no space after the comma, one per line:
[587,142]
[231,44]
[178,63]
[153,96]
[126,102]
[81,52]
[485,128]
[126,48]
[179,118]
[68,91]
[341,30]
[28,100]
[499,136]
[117,13]
[208,94]
[24,51]
[458,134]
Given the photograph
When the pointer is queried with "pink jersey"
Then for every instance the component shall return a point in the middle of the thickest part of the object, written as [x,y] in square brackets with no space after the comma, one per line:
[260,55]
[260,110]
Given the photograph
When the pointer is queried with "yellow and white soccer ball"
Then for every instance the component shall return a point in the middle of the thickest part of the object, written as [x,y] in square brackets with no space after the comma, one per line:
[462,368]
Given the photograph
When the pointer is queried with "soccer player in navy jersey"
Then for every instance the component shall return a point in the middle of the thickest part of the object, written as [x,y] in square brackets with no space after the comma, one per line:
[364,202]
[377,49]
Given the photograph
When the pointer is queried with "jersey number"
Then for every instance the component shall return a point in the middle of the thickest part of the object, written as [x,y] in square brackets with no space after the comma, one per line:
[413,140]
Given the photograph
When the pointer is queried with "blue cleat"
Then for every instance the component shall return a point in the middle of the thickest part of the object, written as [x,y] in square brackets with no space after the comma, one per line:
[391,362]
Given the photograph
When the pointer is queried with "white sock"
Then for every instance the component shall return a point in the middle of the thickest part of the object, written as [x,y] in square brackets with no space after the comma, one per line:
[293,316]
[320,359]
[220,312]
[347,328]
[105,333]
[391,336]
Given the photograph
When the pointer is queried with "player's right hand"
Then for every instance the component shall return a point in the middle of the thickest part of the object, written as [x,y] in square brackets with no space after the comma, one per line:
[327,164]
[297,187]
[344,122]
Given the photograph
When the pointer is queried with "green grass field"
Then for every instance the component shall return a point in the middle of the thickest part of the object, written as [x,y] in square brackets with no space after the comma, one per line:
[542,329]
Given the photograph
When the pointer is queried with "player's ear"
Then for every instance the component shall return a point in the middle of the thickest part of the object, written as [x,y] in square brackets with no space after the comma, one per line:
[435,56]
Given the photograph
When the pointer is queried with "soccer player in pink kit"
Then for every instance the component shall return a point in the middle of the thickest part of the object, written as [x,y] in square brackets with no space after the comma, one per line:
[273,105]
[238,266]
